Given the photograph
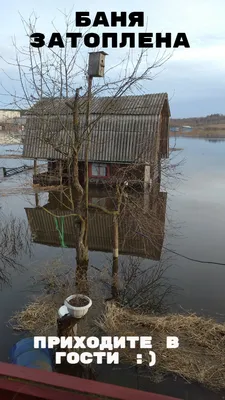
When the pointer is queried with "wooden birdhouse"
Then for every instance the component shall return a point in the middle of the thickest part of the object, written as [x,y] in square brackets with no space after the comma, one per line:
[96,67]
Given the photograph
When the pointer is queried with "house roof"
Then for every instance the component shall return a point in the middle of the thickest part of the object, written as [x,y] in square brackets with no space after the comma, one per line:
[149,104]
[124,129]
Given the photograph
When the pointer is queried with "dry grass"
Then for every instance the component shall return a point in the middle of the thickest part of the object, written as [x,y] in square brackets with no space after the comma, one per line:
[200,356]
[39,316]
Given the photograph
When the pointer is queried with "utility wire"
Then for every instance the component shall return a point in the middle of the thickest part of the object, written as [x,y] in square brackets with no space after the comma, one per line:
[181,255]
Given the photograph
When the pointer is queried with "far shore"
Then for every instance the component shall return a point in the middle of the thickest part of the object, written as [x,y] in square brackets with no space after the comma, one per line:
[205,132]
[203,135]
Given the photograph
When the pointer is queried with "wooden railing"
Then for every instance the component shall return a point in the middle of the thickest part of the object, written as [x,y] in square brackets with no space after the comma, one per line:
[22,383]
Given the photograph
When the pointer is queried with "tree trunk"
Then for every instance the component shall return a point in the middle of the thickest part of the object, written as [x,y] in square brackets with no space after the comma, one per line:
[76,182]
[60,173]
[115,278]
[115,236]
[36,199]
[35,167]
[115,257]
[82,259]
[82,279]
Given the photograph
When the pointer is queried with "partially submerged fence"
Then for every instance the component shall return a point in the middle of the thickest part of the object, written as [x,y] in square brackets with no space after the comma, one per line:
[6,172]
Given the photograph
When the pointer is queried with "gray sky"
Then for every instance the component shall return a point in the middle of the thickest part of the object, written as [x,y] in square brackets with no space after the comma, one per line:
[193,78]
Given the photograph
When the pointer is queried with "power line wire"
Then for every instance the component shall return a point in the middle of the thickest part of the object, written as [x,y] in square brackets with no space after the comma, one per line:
[183,256]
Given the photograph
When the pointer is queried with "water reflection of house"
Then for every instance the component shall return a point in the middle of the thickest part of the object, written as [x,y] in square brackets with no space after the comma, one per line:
[131,229]
[129,130]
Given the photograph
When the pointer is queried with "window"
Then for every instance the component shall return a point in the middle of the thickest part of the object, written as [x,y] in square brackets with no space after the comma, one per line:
[95,170]
[99,170]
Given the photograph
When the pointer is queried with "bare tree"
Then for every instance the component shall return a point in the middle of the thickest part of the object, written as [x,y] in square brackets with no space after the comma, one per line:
[14,241]
[46,76]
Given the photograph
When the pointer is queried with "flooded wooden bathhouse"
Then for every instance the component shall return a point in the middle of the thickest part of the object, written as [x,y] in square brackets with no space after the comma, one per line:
[125,131]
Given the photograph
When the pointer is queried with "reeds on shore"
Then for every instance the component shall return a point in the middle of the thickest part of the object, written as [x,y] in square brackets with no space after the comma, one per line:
[200,356]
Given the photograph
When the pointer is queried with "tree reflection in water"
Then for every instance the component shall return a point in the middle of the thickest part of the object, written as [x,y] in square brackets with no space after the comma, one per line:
[136,279]
[14,244]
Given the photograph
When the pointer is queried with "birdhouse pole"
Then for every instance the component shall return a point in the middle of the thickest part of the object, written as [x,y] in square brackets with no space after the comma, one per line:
[96,69]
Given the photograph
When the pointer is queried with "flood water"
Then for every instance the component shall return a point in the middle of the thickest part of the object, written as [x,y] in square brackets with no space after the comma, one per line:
[194,228]
[198,207]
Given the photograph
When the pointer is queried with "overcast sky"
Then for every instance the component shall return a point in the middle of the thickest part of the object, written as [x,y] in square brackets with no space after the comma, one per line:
[193,78]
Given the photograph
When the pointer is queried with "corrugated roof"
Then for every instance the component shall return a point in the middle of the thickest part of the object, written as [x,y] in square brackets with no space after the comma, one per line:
[149,104]
[126,130]
[113,139]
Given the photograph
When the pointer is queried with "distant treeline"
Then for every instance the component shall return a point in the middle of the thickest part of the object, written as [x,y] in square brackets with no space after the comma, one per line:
[199,121]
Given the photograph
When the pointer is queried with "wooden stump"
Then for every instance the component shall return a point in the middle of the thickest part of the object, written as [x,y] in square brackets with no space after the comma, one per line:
[67,326]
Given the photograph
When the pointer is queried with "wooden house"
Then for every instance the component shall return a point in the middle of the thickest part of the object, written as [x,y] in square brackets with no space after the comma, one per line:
[126,133]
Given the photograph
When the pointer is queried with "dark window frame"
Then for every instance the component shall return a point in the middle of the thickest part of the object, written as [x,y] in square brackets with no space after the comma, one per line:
[99,166]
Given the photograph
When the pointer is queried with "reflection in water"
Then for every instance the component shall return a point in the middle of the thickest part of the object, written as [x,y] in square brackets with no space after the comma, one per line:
[143,288]
[215,140]
[141,229]
[14,243]
[46,230]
